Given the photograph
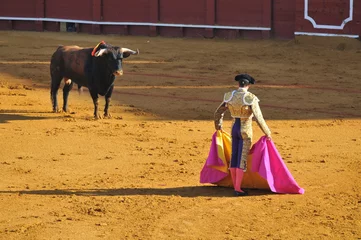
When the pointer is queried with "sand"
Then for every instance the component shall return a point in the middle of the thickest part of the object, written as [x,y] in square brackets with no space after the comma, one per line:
[136,175]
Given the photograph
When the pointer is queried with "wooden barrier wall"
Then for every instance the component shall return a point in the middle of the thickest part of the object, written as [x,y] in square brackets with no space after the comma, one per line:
[188,18]
[328,17]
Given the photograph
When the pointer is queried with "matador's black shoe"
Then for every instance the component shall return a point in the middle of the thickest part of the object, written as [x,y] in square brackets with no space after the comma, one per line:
[240,194]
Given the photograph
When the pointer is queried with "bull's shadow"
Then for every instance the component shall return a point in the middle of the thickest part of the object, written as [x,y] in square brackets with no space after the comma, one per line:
[6,117]
[192,191]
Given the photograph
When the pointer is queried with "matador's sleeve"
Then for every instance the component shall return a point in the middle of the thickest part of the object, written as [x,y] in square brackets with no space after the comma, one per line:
[259,118]
[218,115]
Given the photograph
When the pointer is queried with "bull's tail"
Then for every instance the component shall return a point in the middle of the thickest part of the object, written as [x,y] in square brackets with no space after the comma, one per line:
[56,73]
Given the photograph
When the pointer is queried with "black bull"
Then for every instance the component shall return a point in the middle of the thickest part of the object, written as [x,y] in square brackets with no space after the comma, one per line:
[93,68]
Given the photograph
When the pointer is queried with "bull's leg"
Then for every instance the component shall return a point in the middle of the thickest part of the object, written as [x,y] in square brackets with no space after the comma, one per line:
[107,102]
[55,83]
[80,89]
[95,98]
[67,87]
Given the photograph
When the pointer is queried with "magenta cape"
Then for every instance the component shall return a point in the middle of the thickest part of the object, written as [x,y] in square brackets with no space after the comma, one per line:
[216,167]
[269,164]
[266,162]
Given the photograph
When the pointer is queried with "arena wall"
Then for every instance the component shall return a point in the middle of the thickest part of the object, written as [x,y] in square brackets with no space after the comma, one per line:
[188,18]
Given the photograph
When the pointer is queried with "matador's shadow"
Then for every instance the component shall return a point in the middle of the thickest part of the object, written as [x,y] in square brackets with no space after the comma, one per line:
[192,191]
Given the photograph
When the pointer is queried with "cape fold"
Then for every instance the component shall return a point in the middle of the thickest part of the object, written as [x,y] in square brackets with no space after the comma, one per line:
[266,169]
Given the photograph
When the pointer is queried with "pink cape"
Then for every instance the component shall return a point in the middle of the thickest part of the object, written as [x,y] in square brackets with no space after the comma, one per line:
[266,162]
[216,167]
[269,164]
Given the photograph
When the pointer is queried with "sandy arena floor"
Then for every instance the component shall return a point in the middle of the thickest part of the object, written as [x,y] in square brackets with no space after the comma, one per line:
[136,176]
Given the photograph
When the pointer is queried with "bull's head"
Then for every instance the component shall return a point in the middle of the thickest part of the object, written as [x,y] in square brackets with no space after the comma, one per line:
[114,57]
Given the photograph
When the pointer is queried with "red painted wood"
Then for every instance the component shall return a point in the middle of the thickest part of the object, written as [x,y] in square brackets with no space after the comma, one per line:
[69,9]
[153,16]
[52,26]
[6,25]
[96,10]
[171,32]
[267,13]
[356,26]
[96,16]
[252,34]
[332,12]
[240,13]
[23,25]
[196,33]
[85,28]
[112,29]
[153,11]
[185,11]
[138,30]
[127,11]
[40,8]
[210,18]
[18,8]
[227,34]
[283,18]
[210,12]
[39,13]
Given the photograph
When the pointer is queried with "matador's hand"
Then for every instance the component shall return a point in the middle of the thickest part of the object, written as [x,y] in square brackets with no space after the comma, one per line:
[218,127]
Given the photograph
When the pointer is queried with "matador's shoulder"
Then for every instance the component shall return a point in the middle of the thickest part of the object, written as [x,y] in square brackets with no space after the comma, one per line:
[249,98]
[228,96]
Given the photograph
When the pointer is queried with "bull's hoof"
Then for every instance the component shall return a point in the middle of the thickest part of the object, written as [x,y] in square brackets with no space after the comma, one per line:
[107,115]
[97,116]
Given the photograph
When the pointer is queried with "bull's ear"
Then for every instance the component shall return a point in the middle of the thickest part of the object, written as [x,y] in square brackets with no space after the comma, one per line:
[100,52]
[127,52]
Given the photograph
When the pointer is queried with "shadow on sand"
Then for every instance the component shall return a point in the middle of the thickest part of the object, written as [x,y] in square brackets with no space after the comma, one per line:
[16,116]
[195,191]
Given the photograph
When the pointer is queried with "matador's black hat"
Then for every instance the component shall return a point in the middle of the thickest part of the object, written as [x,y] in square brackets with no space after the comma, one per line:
[244,79]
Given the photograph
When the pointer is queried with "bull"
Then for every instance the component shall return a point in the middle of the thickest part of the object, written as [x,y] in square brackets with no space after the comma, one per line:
[94,68]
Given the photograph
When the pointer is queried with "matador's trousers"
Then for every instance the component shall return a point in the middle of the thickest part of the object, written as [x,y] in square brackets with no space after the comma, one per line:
[241,143]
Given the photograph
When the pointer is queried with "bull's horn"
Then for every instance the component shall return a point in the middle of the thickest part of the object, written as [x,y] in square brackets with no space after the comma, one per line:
[127,50]
[101,52]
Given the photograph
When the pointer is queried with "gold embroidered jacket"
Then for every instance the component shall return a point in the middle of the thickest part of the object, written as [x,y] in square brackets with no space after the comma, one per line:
[241,104]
